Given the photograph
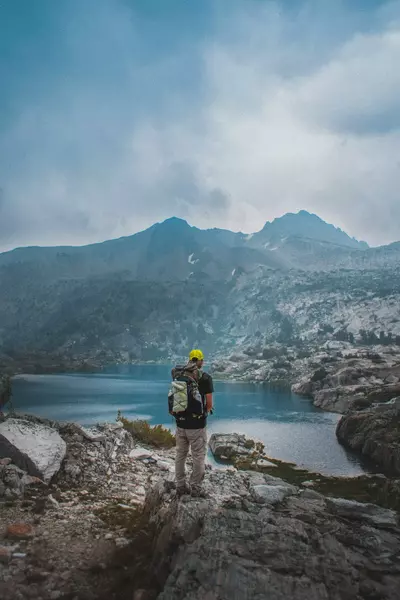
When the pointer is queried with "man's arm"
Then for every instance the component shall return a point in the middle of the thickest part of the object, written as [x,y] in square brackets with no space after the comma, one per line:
[208,384]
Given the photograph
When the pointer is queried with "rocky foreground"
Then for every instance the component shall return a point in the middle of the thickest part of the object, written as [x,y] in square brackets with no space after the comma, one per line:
[107,524]
[257,537]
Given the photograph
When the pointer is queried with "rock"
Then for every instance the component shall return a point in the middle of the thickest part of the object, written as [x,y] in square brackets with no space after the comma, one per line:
[319,375]
[311,494]
[230,546]
[384,393]
[375,515]
[121,542]
[308,484]
[52,502]
[264,463]
[338,399]
[72,470]
[28,480]
[140,453]
[304,387]
[5,554]
[19,531]
[12,477]
[230,445]
[271,494]
[34,447]
[374,434]
[165,465]
[90,435]
[353,382]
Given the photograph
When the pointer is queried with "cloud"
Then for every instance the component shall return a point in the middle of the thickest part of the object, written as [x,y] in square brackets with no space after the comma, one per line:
[224,118]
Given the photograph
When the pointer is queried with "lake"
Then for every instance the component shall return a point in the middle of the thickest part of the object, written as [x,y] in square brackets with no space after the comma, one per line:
[291,427]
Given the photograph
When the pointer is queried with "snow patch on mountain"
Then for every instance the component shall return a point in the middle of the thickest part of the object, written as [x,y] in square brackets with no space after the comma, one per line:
[192,260]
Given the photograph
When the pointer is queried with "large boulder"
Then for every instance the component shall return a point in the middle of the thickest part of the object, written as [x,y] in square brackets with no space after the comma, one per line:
[34,447]
[230,445]
[253,539]
[374,433]
[340,399]
[351,384]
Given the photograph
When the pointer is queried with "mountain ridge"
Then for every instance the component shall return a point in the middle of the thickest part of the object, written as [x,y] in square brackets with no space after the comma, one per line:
[173,286]
[174,221]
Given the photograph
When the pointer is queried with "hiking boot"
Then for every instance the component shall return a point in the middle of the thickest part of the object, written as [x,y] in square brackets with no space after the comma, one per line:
[198,492]
[182,490]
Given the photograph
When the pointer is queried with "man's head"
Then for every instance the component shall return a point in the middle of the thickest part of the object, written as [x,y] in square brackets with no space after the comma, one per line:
[197,357]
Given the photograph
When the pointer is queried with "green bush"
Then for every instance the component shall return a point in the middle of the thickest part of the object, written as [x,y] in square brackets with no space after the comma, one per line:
[249,443]
[157,436]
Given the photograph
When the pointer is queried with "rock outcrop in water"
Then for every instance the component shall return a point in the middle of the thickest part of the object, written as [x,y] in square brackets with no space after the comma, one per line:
[374,433]
[109,526]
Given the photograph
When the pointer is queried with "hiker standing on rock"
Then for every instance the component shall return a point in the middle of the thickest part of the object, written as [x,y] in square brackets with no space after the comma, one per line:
[190,401]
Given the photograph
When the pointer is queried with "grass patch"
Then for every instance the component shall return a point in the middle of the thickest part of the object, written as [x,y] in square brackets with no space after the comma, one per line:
[133,520]
[364,488]
[157,436]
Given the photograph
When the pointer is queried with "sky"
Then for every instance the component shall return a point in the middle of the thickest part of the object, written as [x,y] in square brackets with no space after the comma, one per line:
[115,114]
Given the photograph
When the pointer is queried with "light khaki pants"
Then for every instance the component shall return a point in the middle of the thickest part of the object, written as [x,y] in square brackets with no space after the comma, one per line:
[196,440]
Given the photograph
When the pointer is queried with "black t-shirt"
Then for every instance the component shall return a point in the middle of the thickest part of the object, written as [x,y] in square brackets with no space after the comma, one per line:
[206,386]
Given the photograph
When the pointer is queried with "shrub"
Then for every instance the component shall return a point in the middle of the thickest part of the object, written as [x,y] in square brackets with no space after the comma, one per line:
[281,364]
[269,353]
[304,354]
[249,444]
[319,375]
[157,436]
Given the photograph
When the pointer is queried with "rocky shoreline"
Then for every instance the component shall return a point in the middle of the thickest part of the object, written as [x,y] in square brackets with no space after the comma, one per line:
[107,524]
[375,434]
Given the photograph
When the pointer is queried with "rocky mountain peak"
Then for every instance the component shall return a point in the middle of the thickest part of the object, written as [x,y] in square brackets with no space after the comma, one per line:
[309,226]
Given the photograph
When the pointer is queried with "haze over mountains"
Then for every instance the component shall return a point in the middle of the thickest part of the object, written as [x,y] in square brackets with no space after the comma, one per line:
[173,251]
[156,292]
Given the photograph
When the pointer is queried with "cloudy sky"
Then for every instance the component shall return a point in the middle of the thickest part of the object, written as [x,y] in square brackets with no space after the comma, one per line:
[115,114]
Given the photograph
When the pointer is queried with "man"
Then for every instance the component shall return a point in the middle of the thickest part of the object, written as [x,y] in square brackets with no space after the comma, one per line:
[190,410]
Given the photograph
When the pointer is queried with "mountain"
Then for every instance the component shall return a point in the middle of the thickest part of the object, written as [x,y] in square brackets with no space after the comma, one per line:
[155,293]
[306,226]
[168,251]
[175,251]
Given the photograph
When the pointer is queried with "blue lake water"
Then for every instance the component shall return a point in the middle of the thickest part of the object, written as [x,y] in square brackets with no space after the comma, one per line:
[291,427]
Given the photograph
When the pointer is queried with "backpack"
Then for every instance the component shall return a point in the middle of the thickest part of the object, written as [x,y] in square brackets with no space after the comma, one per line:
[184,398]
